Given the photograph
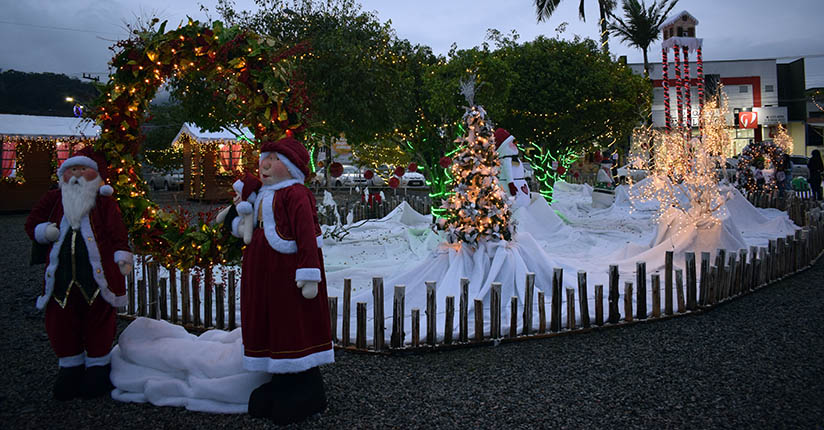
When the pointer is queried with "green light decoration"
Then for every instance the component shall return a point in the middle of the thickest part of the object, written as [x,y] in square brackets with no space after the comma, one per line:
[541,164]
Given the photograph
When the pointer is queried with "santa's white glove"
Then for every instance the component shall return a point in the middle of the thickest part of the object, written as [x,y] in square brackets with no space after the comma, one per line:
[246,226]
[52,233]
[309,289]
[125,267]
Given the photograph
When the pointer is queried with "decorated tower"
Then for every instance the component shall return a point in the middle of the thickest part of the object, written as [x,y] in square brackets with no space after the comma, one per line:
[679,35]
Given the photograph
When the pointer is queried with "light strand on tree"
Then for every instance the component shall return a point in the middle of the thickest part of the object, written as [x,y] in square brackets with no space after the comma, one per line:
[700,71]
[687,90]
[665,84]
[679,113]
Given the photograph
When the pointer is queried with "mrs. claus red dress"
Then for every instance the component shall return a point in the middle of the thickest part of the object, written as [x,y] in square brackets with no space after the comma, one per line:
[284,332]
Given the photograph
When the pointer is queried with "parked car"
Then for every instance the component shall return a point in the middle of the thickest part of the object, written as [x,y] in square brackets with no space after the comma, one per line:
[800,166]
[354,176]
[413,179]
[168,180]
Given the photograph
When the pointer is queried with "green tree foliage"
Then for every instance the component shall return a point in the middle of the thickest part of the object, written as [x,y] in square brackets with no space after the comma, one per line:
[349,68]
[639,27]
[42,93]
[569,95]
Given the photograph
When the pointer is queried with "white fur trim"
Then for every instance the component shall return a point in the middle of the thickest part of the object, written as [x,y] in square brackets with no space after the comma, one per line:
[291,167]
[106,190]
[307,274]
[690,43]
[40,233]
[99,361]
[244,208]
[124,256]
[283,246]
[252,197]
[94,259]
[238,187]
[505,149]
[73,361]
[77,160]
[288,365]
[235,224]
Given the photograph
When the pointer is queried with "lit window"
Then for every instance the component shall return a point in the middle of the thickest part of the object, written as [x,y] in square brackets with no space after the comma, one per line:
[230,155]
[66,150]
[743,89]
[8,156]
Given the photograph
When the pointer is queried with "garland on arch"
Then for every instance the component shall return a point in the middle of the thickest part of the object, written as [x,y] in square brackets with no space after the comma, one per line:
[753,157]
[254,74]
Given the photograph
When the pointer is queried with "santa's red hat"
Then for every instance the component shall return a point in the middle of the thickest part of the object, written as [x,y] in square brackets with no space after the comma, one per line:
[247,188]
[504,143]
[88,157]
[292,153]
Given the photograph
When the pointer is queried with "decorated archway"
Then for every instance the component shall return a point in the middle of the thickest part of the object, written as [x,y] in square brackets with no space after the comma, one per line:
[252,73]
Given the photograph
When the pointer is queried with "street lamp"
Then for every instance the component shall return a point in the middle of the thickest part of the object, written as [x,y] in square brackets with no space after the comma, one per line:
[69,99]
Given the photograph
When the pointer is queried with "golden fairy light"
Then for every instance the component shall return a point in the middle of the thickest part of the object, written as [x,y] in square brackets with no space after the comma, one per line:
[683,171]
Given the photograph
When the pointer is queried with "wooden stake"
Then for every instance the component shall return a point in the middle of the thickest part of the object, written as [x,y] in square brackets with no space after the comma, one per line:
[333,317]
[599,305]
[431,313]
[495,310]
[220,309]
[173,295]
[141,297]
[450,320]
[479,320]
[208,290]
[185,310]
[397,316]
[583,298]
[378,323]
[541,313]
[656,295]
[668,282]
[570,296]
[416,327]
[528,290]
[705,279]
[463,329]
[513,317]
[557,288]
[641,292]
[628,301]
[679,290]
[196,300]
[360,339]
[614,315]
[346,317]
[232,300]
[152,287]
[692,288]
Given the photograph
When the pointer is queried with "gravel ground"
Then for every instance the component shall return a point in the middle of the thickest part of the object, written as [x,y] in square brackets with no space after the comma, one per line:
[755,362]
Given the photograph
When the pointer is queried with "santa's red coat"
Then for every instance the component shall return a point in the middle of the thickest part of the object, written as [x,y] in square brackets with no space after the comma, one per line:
[284,332]
[105,236]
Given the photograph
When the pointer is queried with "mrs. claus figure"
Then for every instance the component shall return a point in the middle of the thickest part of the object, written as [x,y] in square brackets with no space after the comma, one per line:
[284,310]
[89,254]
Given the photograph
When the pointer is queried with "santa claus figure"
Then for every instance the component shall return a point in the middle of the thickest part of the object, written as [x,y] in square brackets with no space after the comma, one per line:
[511,176]
[89,254]
[284,310]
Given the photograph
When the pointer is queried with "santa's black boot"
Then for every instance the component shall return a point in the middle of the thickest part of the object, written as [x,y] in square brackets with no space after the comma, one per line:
[261,399]
[97,382]
[68,383]
[299,396]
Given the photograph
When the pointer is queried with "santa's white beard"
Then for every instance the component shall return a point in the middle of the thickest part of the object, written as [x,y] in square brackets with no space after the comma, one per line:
[79,196]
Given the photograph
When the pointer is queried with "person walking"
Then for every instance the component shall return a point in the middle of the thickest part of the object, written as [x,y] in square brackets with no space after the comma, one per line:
[815,165]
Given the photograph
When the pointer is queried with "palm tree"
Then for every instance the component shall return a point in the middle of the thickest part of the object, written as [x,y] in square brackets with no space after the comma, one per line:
[639,27]
[545,8]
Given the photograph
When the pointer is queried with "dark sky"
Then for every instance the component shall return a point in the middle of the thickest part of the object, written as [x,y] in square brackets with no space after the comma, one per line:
[73,36]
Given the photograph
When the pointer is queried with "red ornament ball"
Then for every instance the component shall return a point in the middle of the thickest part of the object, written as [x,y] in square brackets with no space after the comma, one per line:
[598,157]
[445,162]
[412,167]
[394,182]
[368,175]
[561,170]
[399,171]
[336,169]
